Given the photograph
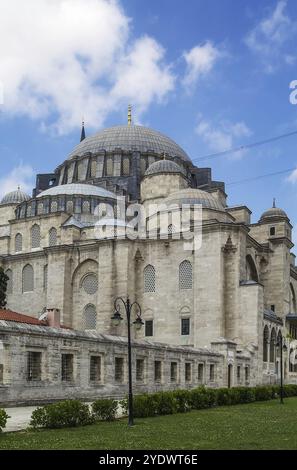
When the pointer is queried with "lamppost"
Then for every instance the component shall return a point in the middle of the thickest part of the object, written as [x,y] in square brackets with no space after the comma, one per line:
[116,319]
[282,347]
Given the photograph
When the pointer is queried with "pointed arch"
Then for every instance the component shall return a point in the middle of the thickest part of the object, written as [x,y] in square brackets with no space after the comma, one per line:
[149,279]
[28,278]
[265,343]
[185,275]
[35,236]
[272,345]
[52,237]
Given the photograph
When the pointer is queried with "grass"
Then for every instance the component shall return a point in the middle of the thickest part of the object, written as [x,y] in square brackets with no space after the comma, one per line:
[262,425]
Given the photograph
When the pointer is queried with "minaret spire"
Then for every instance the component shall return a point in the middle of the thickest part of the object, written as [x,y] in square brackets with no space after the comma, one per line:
[83,132]
[129,115]
[274,206]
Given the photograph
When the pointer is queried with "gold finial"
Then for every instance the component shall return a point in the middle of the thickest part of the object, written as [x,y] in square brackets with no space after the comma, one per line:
[129,115]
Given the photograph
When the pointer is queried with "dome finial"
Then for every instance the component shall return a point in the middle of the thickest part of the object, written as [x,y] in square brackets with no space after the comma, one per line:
[129,115]
[274,206]
[19,188]
[83,133]
[164,155]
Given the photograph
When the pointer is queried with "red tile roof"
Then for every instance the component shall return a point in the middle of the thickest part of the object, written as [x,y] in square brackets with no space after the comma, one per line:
[9,315]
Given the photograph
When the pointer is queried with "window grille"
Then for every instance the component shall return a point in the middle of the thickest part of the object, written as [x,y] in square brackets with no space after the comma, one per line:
[188,372]
[52,237]
[95,369]
[200,372]
[140,370]
[90,284]
[142,166]
[90,317]
[158,371]
[10,281]
[35,236]
[45,277]
[126,166]
[109,166]
[54,206]
[29,211]
[185,326]
[173,371]
[18,242]
[149,279]
[119,369]
[69,206]
[185,275]
[33,366]
[171,229]
[93,168]
[40,208]
[67,367]
[86,207]
[28,279]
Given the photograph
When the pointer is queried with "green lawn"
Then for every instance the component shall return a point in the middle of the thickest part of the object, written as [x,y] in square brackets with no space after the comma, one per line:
[263,425]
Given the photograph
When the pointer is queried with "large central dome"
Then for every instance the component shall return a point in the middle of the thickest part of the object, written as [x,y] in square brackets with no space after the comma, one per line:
[129,138]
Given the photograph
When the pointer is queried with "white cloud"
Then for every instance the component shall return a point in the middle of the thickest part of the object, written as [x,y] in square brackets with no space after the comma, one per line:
[61,59]
[270,35]
[200,60]
[223,136]
[22,175]
[292,178]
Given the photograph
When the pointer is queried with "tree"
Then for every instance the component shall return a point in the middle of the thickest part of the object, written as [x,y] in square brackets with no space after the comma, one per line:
[3,287]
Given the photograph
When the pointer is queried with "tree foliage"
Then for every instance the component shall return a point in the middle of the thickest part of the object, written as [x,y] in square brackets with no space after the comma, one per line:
[3,287]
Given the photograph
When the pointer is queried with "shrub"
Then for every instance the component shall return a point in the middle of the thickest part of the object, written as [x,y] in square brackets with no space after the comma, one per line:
[182,400]
[225,396]
[68,413]
[105,409]
[263,393]
[165,403]
[290,390]
[201,398]
[3,419]
[245,394]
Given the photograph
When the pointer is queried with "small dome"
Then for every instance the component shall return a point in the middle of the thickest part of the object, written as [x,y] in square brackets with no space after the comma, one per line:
[194,196]
[15,197]
[274,212]
[77,190]
[163,166]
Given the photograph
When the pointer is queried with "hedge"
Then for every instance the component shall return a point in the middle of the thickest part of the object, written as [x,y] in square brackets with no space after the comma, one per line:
[3,419]
[70,413]
[181,401]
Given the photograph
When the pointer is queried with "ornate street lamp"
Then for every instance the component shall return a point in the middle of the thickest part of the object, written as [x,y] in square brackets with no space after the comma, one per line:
[116,320]
[282,347]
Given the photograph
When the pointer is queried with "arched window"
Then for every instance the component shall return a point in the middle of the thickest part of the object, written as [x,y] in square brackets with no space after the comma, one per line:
[126,166]
[185,275]
[149,278]
[35,236]
[86,207]
[90,284]
[18,242]
[109,166]
[89,317]
[265,343]
[278,341]
[272,345]
[251,270]
[69,206]
[9,282]
[54,206]
[28,278]
[52,237]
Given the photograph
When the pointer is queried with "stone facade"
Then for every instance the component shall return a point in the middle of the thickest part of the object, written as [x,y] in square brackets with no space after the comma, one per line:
[233,296]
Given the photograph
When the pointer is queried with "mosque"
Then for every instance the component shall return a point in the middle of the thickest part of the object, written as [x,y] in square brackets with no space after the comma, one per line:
[212,314]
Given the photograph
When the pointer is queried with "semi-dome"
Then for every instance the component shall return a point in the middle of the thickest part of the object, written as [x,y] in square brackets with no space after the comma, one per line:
[194,196]
[163,166]
[77,190]
[273,212]
[15,197]
[129,138]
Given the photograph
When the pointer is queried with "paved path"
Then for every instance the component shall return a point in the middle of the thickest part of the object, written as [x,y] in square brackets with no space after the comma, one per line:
[19,418]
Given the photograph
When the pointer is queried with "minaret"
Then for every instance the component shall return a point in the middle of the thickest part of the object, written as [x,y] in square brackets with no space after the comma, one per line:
[83,133]
[129,115]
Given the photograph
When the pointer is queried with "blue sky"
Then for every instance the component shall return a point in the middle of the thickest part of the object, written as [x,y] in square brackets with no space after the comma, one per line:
[211,74]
